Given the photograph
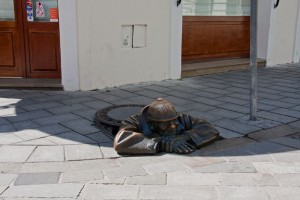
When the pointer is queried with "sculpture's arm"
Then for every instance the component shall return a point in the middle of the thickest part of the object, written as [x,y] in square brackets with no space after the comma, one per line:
[200,131]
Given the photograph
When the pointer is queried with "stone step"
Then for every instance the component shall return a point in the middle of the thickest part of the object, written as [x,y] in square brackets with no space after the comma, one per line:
[30,83]
[217,66]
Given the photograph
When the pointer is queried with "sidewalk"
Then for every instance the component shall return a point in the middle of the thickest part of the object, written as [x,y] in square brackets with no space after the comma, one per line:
[50,148]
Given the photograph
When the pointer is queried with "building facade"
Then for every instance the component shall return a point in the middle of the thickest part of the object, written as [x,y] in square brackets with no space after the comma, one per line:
[106,43]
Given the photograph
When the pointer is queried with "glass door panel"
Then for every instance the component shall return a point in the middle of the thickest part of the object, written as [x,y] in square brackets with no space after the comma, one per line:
[7,12]
[42,10]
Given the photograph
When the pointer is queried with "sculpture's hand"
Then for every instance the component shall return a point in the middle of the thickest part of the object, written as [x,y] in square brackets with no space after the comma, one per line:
[183,147]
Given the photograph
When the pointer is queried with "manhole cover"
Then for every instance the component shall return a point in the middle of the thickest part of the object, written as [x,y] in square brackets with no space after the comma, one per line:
[110,118]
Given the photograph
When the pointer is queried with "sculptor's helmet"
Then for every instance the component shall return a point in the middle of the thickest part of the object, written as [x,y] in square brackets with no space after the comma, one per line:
[161,110]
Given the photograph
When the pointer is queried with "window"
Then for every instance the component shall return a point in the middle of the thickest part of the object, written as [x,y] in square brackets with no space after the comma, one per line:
[7,11]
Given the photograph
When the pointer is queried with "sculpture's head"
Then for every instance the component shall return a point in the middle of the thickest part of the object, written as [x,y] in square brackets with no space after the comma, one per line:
[162,117]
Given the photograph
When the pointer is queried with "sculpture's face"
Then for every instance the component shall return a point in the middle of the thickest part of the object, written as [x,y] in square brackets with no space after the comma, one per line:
[165,127]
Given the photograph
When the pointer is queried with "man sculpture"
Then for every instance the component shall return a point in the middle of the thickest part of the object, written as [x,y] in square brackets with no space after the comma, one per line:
[159,128]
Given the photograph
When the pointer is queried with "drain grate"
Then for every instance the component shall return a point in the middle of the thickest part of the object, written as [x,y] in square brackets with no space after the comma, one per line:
[109,119]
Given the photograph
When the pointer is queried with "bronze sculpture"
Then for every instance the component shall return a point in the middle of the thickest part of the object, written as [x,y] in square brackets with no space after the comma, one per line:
[159,128]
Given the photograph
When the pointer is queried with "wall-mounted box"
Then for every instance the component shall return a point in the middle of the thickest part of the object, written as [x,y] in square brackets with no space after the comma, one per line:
[133,36]
[126,38]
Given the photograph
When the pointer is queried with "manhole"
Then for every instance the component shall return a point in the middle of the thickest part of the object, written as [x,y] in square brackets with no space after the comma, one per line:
[109,119]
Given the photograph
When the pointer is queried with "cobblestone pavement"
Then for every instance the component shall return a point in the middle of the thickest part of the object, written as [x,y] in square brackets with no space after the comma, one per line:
[50,149]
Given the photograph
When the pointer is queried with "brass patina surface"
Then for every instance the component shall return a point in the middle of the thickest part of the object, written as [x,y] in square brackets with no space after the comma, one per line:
[159,128]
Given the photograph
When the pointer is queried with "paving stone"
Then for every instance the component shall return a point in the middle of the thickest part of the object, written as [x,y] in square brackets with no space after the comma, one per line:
[204,179]
[226,167]
[82,152]
[99,137]
[70,138]
[226,113]
[56,119]
[9,168]
[271,133]
[287,156]
[31,134]
[77,100]
[37,179]
[25,125]
[276,117]
[277,167]
[265,147]
[287,141]
[88,114]
[9,139]
[178,101]
[92,191]
[234,107]
[193,162]
[236,126]
[44,191]
[6,179]
[3,121]
[151,94]
[28,116]
[286,193]
[277,103]
[47,154]
[13,111]
[158,179]
[2,189]
[295,125]
[224,133]
[6,128]
[176,192]
[81,126]
[138,160]
[287,112]
[97,104]
[164,167]
[259,122]
[247,179]
[80,176]
[108,151]
[204,115]
[265,107]
[67,166]
[107,181]
[288,180]
[15,153]
[241,192]
[40,106]
[233,100]
[124,171]
[67,108]
[38,142]
[122,93]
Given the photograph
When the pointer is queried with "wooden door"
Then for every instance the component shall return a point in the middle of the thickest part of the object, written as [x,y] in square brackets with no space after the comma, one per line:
[12,59]
[41,43]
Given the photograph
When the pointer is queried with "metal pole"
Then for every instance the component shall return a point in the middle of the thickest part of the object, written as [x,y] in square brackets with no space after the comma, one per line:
[253,60]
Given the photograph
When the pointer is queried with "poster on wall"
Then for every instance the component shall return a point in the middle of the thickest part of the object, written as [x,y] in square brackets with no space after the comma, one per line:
[29,10]
[40,11]
[53,14]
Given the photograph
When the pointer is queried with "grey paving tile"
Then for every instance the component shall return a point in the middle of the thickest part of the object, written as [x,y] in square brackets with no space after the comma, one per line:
[291,100]
[234,107]
[124,171]
[277,103]
[164,167]
[287,112]
[204,179]
[276,117]
[227,114]
[287,141]
[80,176]
[197,106]
[277,167]
[55,119]
[44,191]
[288,193]
[37,179]
[241,192]
[67,108]
[157,88]
[149,93]
[92,191]
[224,133]
[99,137]
[208,94]
[70,138]
[37,142]
[291,155]
[11,111]
[9,139]
[97,104]
[264,147]
[203,115]
[236,126]
[2,189]
[9,168]
[40,106]
[77,100]
[175,192]
[28,116]
[108,150]
[82,152]
[56,97]
[25,125]
[271,133]
[259,122]
[7,128]
[247,179]
[6,179]
[288,180]
[181,94]
[105,96]
[233,100]
[226,167]
[3,121]
[15,153]
[122,93]
[47,154]
[295,125]
[81,126]
[158,179]
[88,114]
[207,101]
[178,101]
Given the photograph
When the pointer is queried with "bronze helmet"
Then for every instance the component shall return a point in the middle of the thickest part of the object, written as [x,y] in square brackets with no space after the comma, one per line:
[161,110]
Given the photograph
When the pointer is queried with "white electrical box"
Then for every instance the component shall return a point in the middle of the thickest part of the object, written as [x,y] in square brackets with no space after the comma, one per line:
[139,36]
[126,38]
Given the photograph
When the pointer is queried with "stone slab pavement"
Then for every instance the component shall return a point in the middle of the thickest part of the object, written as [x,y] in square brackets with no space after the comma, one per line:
[50,147]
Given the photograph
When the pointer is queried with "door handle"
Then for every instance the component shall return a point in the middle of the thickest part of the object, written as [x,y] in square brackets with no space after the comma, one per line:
[178,2]
[276,4]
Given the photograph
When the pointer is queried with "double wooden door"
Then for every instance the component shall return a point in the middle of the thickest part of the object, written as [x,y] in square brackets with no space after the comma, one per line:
[29,45]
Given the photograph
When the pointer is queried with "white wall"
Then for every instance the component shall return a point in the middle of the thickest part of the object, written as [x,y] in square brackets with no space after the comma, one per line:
[102,61]
[297,39]
[283,25]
